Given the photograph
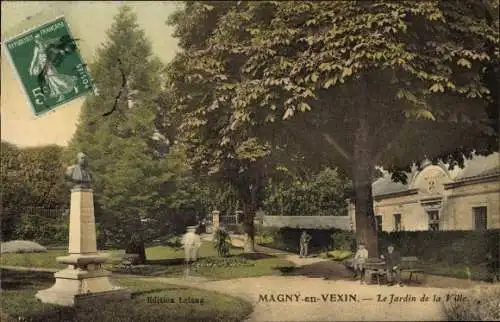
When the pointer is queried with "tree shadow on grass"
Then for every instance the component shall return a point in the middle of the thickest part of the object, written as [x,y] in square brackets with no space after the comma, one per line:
[327,269]
[156,290]
[255,256]
[18,280]
[169,261]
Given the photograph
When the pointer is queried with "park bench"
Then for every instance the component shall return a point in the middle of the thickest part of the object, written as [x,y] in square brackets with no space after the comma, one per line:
[375,269]
[411,264]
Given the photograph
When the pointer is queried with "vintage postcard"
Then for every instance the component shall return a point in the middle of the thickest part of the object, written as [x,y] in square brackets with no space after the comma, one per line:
[250,161]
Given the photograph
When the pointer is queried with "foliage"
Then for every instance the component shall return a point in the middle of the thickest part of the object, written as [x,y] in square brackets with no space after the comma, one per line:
[287,239]
[229,164]
[136,246]
[223,262]
[343,240]
[480,304]
[339,255]
[43,230]
[263,240]
[31,177]
[324,195]
[453,247]
[364,79]
[142,182]
[222,242]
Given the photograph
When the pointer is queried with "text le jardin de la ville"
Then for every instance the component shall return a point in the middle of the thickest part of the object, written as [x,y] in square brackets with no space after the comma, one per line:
[350,298]
[328,297]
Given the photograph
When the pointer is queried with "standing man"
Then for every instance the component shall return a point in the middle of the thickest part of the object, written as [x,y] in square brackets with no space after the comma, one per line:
[304,244]
[393,265]
[191,242]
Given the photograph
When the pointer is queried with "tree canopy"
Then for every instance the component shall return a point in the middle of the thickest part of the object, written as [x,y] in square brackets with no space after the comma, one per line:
[354,83]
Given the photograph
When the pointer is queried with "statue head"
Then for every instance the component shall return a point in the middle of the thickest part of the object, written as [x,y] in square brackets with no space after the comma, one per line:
[81,160]
[78,173]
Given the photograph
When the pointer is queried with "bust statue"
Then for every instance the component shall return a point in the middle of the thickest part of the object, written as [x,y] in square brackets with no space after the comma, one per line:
[78,174]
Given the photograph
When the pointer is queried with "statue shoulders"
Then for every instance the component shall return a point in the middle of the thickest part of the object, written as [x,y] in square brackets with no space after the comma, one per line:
[69,170]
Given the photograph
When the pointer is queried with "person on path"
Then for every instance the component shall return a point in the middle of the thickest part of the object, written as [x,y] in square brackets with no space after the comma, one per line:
[305,238]
[191,242]
[393,265]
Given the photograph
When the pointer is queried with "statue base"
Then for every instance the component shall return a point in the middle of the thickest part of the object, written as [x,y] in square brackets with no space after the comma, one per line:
[84,280]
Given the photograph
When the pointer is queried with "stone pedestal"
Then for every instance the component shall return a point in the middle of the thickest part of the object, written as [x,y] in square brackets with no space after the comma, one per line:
[84,277]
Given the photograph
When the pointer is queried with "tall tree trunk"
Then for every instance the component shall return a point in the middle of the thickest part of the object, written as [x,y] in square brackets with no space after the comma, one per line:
[248,228]
[362,173]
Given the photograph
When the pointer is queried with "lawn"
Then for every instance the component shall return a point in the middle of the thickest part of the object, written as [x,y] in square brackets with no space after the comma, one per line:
[457,271]
[18,302]
[167,261]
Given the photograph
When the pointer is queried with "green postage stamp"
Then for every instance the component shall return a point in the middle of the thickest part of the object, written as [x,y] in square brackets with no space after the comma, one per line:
[48,65]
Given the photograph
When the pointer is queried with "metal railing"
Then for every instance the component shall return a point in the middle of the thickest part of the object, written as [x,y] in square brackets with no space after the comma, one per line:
[52,213]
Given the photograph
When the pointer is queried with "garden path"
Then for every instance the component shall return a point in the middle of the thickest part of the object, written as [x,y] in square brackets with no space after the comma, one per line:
[315,296]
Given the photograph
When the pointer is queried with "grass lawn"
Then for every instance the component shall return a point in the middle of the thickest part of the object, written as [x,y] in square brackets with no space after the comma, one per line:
[18,300]
[166,261]
[456,271]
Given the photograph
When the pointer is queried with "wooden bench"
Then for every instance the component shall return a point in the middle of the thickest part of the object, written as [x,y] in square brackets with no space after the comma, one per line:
[374,270]
[411,264]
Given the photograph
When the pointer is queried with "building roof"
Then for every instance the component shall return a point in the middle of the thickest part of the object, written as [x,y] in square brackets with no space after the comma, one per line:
[478,167]
[385,185]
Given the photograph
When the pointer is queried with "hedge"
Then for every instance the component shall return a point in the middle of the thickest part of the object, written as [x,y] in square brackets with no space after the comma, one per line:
[453,248]
[288,238]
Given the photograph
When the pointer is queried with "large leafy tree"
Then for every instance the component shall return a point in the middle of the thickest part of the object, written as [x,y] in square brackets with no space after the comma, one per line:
[229,166]
[322,194]
[31,177]
[117,130]
[356,83]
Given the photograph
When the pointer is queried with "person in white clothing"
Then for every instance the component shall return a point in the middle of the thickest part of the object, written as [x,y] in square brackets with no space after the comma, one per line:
[359,260]
[191,242]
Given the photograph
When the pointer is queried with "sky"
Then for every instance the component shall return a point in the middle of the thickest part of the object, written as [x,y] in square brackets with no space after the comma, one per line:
[88,21]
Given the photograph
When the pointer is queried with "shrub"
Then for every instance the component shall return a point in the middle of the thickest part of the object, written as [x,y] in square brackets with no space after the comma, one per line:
[222,242]
[343,240]
[235,229]
[223,262]
[22,246]
[288,238]
[480,304]
[263,240]
[339,255]
[136,246]
[46,231]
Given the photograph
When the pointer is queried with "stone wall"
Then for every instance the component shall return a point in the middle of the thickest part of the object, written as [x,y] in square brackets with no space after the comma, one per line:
[464,198]
[308,222]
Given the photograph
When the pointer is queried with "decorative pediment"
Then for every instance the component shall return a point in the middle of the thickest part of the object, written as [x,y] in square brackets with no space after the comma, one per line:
[431,180]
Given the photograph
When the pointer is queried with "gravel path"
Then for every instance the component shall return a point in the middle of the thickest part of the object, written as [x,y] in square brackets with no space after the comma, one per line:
[302,298]
[311,299]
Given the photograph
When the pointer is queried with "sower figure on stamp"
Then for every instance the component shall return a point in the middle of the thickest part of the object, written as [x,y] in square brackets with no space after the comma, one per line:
[359,260]
[305,238]
[393,265]
[191,243]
